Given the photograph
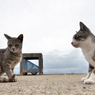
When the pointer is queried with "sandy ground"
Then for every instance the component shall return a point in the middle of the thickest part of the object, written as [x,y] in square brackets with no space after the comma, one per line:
[48,85]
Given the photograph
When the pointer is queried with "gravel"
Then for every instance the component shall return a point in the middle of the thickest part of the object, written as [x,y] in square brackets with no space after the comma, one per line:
[47,85]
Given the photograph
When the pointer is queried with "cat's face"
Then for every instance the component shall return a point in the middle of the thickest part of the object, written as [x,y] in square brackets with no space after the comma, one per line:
[80,36]
[14,44]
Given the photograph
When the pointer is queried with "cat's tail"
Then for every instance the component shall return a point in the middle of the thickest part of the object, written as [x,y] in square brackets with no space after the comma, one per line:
[7,80]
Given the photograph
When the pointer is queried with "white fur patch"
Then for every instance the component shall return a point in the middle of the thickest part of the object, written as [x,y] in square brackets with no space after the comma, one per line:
[75,42]
[91,80]
[88,75]
[88,49]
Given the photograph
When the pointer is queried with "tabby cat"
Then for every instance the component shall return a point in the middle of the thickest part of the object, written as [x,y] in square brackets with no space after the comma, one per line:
[10,57]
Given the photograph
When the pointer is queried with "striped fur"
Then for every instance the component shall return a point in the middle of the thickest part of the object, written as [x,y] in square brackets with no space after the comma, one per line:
[10,57]
[85,40]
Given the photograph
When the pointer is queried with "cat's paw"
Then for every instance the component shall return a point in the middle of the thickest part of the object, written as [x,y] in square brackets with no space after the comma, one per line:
[89,81]
[13,79]
[83,79]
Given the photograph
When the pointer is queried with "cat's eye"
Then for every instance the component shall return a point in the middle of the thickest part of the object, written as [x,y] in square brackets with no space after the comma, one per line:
[10,45]
[76,37]
[16,45]
[80,37]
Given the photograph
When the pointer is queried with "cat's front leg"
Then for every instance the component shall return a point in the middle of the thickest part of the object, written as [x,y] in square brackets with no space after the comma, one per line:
[8,70]
[12,70]
[11,76]
[91,80]
[84,78]
[89,73]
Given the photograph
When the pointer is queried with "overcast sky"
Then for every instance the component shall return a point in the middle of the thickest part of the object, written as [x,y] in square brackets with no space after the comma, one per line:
[48,27]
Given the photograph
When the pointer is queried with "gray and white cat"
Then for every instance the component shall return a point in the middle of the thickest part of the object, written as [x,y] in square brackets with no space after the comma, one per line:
[86,41]
[10,57]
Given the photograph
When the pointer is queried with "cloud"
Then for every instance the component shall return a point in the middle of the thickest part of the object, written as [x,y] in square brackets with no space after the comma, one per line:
[54,63]
[48,27]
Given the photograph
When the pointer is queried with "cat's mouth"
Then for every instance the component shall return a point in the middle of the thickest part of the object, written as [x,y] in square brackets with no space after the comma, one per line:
[13,51]
[75,45]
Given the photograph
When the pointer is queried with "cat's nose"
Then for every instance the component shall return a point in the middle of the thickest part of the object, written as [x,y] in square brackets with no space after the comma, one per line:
[72,43]
[13,49]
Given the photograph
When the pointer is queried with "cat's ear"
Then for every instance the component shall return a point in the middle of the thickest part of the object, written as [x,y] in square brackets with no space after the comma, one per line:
[20,37]
[83,26]
[7,36]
